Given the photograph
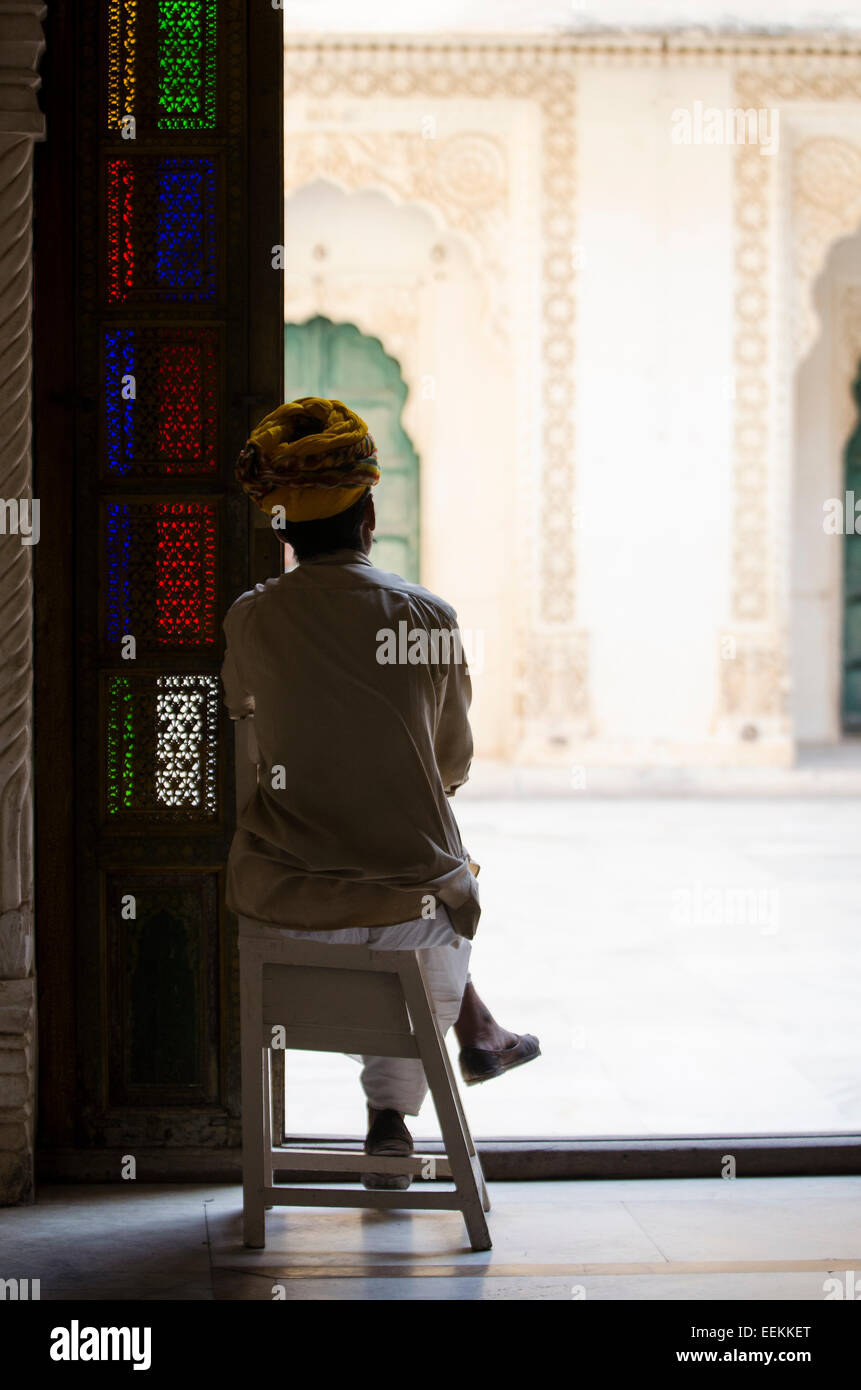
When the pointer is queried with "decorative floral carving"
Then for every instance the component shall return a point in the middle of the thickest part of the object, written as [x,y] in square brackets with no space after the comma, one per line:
[754,687]
[469,198]
[555,691]
[470,171]
[827,173]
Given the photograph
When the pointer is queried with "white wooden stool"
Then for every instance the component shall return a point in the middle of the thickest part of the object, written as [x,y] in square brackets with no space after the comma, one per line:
[321,998]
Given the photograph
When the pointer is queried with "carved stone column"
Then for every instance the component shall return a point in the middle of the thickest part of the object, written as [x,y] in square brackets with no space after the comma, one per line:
[21,122]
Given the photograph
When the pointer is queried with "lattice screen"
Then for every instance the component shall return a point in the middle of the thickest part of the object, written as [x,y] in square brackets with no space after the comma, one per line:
[183,35]
[170,424]
[161,738]
[173,195]
[160,582]
[162,247]
[164,343]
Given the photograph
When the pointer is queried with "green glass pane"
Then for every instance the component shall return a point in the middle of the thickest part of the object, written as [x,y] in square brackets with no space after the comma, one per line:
[186,54]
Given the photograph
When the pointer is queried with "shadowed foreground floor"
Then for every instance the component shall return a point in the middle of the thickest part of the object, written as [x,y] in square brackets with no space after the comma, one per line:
[764,1238]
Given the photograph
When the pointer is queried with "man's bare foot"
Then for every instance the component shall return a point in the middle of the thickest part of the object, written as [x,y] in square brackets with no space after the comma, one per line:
[476,1026]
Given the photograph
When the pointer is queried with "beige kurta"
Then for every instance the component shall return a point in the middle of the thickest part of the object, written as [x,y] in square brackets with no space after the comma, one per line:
[350,824]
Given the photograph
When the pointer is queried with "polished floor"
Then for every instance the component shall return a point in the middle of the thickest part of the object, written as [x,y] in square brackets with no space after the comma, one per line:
[705,1239]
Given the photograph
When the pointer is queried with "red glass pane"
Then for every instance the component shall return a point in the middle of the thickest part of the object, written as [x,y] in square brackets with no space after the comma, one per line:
[185,574]
[121,258]
[186,394]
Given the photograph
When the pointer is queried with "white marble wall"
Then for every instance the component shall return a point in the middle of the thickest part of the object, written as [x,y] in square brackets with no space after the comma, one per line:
[701,627]
[654,413]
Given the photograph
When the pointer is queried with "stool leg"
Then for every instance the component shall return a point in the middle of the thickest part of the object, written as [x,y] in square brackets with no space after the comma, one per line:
[277,1073]
[253,1062]
[475,1161]
[460,1150]
[268,1168]
[485,1198]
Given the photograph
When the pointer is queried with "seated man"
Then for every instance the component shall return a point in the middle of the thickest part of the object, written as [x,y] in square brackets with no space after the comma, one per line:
[349,835]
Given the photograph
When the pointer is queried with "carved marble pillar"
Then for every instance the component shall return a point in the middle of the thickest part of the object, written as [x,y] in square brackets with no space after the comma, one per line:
[21,122]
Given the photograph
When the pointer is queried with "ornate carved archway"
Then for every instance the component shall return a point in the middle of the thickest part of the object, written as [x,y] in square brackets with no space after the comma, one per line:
[461,167]
[387,311]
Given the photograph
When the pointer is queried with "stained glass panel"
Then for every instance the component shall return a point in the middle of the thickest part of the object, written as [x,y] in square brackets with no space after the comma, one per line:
[160,400]
[120,745]
[160,748]
[186,246]
[161,64]
[186,64]
[185,575]
[120,409]
[122,57]
[160,573]
[161,229]
[120,210]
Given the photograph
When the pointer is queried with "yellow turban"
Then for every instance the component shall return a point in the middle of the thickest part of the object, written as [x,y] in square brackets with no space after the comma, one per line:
[312,457]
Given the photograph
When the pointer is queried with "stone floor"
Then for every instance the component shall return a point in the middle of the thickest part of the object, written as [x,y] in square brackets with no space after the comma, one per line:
[703,1239]
[690,963]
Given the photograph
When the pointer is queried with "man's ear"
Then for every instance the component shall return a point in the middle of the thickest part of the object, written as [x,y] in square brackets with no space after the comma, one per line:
[369,521]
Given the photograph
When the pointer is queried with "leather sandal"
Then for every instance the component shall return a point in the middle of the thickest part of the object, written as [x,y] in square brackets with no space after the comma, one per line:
[388,1137]
[483,1064]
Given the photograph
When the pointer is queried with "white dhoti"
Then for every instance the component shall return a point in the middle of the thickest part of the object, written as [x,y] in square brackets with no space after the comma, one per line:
[399,1083]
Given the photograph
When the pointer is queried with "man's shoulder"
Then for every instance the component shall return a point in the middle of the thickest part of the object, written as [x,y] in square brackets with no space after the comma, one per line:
[366,577]
[423,598]
[242,607]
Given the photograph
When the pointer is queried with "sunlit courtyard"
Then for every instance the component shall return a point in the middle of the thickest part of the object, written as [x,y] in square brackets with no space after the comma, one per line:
[689,964]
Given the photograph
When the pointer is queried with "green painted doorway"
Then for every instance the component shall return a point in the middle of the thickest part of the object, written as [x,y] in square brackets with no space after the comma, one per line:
[852,581]
[336,361]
